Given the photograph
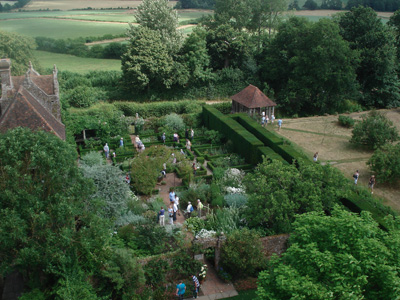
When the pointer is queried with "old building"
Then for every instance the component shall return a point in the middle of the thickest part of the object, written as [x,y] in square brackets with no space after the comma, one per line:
[31,100]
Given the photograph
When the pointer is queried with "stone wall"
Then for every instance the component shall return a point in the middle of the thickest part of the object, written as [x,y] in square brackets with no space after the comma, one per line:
[275,244]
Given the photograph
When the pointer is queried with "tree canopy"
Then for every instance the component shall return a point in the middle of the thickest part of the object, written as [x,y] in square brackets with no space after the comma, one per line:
[342,256]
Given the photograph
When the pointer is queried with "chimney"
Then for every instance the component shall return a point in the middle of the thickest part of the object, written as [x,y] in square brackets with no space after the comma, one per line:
[5,73]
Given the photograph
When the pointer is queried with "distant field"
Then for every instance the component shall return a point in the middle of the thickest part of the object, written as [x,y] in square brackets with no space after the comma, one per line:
[71,63]
[76,4]
[61,28]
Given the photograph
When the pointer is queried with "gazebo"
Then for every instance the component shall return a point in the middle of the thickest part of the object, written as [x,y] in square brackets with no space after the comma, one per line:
[252,101]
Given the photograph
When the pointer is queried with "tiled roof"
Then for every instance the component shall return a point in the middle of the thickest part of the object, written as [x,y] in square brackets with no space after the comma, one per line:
[26,111]
[44,82]
[252,97]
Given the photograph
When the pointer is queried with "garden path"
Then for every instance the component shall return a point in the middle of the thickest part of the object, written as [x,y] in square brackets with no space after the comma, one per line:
[213,287]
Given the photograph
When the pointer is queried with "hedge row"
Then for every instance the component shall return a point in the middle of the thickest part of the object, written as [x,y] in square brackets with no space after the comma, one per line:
[244,142]
[270,154]
[270,139]
[158,109]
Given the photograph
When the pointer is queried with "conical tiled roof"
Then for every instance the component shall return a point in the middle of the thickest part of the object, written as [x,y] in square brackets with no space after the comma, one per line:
[252,97]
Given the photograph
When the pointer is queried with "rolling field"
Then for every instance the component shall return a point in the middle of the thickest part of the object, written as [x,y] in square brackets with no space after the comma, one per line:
[65,62]
[60,29]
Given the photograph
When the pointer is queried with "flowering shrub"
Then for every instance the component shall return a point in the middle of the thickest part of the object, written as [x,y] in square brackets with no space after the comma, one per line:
[203,272]
[234,190]
[204,233]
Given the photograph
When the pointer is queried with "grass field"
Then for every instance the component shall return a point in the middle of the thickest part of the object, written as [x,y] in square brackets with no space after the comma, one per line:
[71,63]
[61,28]
[245,295]
[323,134]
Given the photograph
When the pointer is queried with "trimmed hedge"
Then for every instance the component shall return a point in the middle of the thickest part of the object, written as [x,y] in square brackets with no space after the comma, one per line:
[244,142]
[270,154]
[158,109]
[270,139]
[224,107]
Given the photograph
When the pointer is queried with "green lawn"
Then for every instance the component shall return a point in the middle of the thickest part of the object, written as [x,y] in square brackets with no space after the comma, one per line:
[245,295]
[60,28]
[72,63]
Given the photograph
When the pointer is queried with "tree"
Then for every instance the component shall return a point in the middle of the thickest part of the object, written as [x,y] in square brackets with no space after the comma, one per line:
[157,15]
[235,13]
[311,5]
[312,74]
[46,232]
[19,49]
[147,63]
[332,4]
[385,163]
[376,72]
[342,256]
[374,131]
[278,192]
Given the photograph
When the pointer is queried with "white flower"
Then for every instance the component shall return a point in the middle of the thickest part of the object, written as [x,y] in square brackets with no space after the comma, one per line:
[204,233]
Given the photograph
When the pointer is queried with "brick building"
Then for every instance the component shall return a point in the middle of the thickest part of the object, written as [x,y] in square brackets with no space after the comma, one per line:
[31,100]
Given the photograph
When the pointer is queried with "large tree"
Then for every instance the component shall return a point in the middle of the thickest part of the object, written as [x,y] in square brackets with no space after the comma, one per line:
[309,66]
[278,192]
[375,42]
[159,16]
[342,256]
[19,49]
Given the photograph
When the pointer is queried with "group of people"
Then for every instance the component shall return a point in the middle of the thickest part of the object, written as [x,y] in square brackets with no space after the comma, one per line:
[106,148]
[371,181]
[265,120]
[181,288]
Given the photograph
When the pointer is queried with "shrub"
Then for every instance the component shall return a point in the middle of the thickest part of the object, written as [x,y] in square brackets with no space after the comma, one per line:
[346,121]
[374,131]
[155,271]
[242,255]
[185,265]
[174,122]
[235,200]
[84,96]
[194,225]
[385,163]
[224,220]
[218,201]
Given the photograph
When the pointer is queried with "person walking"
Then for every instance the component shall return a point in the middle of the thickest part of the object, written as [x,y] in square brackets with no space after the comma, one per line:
[177,204]
[315,158]
[191,134]
[279,124]
[355,176]
[262,121]
[171,195]
[199,207]
[171,215]
[272,119]
[162,216]
[121,142]
[175,208]
[163,138]
[189,209]
[180,290]
[188,145]
[106,150]
[196,286]
[371,183]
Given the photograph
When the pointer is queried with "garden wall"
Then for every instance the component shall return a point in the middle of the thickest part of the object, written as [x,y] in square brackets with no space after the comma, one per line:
[275,244]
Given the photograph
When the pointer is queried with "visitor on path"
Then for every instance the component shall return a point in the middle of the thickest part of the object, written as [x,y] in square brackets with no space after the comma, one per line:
[187,134]
[355,176]
[114,154]
[199,207]
[137,139]
[162,216]
[180,290]
[121,142]
[176,137]
[315,158]
[188,145]
[189,209]
[174,158]
[171,215]
[266,120]
[371,183]
[127,178]
[163,138]
[272,119]
[262,121]
[191,134]
[106,150]
[279,124]
[196,286]
[175,208]
[177,203]
[171,195]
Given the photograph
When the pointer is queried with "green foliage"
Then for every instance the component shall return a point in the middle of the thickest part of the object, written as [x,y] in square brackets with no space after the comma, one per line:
[374,131]
[346,121]
[174,123]
[155,271]
[19,49]
[83,96]
[303,79]
[194,225]
[375,43]
[277,192]
[310,4]
[224,220]
[325,248]
[74,286]
[218,201]
[235,200]
[185,265]
[241,254]
[385,163]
